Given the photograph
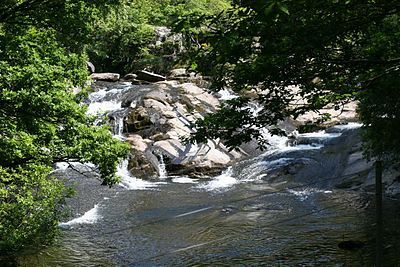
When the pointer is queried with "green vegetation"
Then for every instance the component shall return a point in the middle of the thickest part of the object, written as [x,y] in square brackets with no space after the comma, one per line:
[126,41]
[41,121]
[334,51]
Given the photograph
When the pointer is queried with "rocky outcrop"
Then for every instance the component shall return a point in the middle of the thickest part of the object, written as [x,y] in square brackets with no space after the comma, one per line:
[157,119]
[140,164]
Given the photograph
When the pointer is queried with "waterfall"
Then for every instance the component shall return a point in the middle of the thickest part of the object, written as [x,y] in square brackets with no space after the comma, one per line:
[108,101]
[162,171]
[118,127]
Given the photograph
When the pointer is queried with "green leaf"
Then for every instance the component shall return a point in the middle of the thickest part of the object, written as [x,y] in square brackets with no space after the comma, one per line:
[283,7]
[194,66]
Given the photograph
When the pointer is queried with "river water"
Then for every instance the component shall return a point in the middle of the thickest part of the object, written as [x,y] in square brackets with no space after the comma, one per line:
[215,223]
[250,215]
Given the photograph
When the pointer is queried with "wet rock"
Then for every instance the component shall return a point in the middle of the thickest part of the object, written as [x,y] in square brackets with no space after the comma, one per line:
[137,120]
[140,165]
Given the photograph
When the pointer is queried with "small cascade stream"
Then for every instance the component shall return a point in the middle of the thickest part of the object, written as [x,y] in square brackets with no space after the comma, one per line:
[118,127]
[280,208]
[162,171]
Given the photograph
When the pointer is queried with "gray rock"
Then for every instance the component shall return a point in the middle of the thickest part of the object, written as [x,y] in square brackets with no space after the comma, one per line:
[149,76]
[178,74]
[111,77]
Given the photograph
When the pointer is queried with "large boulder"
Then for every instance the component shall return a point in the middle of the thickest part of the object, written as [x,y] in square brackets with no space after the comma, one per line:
[108,76]
[178,74]
[149,76]
[139,162]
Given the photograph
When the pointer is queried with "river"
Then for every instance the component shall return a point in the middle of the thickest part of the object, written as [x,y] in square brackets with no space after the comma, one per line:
[244,224]
[250,215]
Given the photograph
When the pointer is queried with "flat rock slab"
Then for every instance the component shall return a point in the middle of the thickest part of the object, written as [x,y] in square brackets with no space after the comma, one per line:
[149,76]
[107,76]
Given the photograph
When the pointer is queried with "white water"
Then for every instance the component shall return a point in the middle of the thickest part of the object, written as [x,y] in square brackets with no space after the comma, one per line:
[277,145]
[226,95]
[118,128]
[225,180]
[162,171]
[306,193]
[184,180]
[132,183]
[90,217]
[323,135]
[348,126]
[103,107]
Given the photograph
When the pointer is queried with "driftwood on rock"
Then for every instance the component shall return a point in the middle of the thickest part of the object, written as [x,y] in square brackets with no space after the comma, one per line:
[90,67]
[130,77]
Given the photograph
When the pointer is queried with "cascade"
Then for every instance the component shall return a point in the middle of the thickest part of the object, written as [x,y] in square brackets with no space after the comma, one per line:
[162,171]
[118,127]
[108,101]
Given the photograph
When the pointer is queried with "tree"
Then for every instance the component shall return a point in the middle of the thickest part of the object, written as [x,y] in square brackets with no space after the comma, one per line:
[125,40]
[331,51]
[41,121]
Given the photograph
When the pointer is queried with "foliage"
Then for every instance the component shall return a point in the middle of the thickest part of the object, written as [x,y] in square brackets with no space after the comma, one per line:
[28,201]
[126,39]
[323,52]
[41,121]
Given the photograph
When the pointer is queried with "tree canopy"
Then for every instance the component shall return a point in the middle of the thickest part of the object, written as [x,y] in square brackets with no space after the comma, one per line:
[125,40]
[41,122]
[330,51]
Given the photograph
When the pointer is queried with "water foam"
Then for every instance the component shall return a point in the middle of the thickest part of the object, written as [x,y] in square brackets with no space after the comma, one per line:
[90,217]
[96,108]
[226,95]
[184,180]
[132,183]
[323,135]
[348,126]
[225,180]
[306,193]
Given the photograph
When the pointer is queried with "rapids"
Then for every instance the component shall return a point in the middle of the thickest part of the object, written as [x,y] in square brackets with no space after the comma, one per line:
[266,211]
